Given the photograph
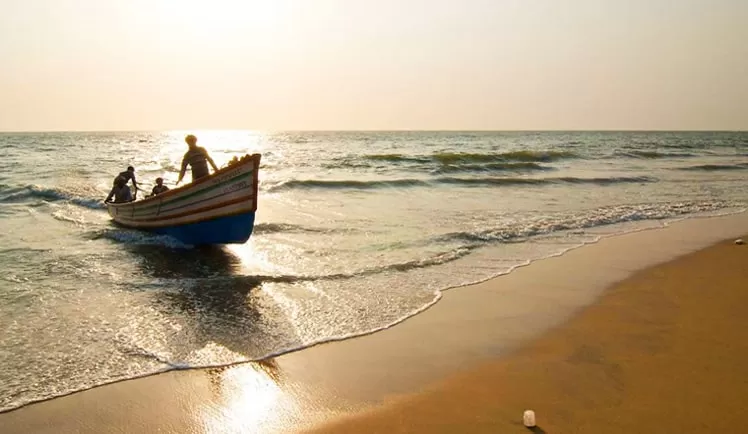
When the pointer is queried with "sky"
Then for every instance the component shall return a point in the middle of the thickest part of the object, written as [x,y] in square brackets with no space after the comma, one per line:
[79,65]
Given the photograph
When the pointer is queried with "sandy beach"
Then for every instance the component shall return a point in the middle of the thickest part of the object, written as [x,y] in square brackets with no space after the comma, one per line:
[642,332]
[664,351]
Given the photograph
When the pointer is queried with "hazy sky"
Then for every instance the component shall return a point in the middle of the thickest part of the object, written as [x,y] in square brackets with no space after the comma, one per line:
[373,64]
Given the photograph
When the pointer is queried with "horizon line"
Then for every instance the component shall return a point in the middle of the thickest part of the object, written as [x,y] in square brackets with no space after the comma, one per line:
[612,130]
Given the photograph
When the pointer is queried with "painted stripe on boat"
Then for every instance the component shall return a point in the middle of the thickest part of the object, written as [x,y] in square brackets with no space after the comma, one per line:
[167,201]
[159,212]
[203,209]
[215,202]
[225,211]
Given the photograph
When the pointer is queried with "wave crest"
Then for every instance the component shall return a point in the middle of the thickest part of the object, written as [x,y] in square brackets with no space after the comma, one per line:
[135,237]
[492,167]
[271,228]
[344,184]
[715,167]
[654,154]
[594,218]
[20,194]
[446,180]
[452,158]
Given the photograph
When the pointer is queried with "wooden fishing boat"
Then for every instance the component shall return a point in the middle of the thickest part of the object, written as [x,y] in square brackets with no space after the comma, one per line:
[216,209]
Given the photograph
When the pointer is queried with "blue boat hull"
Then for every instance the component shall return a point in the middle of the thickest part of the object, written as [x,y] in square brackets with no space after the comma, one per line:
[234,229]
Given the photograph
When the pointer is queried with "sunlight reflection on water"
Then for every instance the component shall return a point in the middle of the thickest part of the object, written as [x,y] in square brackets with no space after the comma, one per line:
[250,398]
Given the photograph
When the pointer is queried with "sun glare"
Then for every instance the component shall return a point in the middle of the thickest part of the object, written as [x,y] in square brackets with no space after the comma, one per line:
[222,145]
[251,400]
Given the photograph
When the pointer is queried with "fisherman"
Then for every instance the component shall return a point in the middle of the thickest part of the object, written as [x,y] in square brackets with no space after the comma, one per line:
[120,191]
[159,187]
[197,158]
[128,175]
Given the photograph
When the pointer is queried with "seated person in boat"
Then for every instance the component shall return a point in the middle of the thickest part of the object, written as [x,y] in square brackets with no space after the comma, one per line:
[128,175]
[120,191]
[159,187]
[197,158]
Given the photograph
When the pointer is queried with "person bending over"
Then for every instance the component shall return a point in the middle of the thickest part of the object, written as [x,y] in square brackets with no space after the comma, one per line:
[128,175]
[120,191]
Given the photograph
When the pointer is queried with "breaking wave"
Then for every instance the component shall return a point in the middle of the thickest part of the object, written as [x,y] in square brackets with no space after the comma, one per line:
[654,154]
[271,228]
[415,182]
[345,184]
[594,218]
[492,167]
[135,237]
[29,192]
[531,156]
[447,158]
[715,167]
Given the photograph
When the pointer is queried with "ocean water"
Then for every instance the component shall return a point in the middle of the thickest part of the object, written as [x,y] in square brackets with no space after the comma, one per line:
[355,232]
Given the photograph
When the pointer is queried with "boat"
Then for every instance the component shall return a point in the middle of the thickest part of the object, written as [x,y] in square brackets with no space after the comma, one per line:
[217,209]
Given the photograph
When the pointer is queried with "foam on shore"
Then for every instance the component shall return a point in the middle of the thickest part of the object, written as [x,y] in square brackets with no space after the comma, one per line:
[471,326]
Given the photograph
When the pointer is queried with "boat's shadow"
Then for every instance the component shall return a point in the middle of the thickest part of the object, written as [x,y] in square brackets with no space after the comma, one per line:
[199,262]
[205,294]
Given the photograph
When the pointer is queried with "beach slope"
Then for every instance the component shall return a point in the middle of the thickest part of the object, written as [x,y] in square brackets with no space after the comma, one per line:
[663,351]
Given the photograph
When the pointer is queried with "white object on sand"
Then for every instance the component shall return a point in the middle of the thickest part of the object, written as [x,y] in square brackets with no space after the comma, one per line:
[529,418]
[739,241]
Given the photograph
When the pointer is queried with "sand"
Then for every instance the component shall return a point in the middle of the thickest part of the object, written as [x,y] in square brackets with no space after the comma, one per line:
[663,351]
[553,336]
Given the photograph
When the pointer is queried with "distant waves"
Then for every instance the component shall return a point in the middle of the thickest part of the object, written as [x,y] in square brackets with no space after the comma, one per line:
[351,184]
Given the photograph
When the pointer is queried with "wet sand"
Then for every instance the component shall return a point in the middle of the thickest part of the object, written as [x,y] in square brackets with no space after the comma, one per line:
[665,351]
[667,341]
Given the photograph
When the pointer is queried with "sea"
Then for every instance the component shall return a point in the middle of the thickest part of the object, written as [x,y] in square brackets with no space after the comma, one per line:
[355,232]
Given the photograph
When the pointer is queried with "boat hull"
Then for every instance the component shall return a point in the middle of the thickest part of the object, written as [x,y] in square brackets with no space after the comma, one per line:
[217,209]
[234,229]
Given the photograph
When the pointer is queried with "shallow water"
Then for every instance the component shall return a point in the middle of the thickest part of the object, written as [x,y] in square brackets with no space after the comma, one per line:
[354,232]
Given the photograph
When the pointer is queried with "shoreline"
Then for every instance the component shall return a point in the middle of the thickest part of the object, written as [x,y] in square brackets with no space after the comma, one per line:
[328,380]
[662,350]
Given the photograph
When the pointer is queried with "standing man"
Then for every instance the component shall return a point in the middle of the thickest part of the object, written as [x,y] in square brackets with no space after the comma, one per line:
[198,160]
